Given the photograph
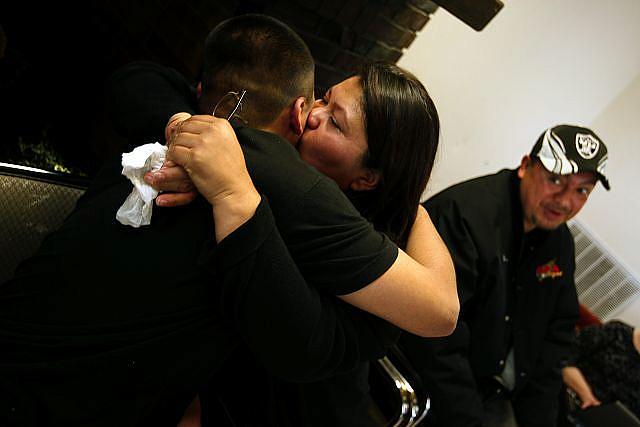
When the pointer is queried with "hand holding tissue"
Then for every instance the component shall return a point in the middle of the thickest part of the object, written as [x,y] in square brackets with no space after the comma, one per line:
[137,208]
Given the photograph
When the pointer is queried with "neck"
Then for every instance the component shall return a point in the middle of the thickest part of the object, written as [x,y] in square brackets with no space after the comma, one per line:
[281,127]
[528,226]
[636,339]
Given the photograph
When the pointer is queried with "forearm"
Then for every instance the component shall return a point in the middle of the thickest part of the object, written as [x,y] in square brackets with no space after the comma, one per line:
[233,211]
[293,331]
[418,293]
[427,248]
[573,378]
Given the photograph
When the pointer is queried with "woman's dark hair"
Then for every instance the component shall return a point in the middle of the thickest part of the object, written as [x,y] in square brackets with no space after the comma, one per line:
[402,129]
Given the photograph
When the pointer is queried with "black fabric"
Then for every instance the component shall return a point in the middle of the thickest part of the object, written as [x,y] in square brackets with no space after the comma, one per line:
[506,299]
[334,247]
[337,274]
[609,361]
[141,98]
[341,400]
[110,325]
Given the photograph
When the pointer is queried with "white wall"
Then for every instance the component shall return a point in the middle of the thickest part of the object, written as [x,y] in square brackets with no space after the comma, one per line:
[617,224]
[537,64]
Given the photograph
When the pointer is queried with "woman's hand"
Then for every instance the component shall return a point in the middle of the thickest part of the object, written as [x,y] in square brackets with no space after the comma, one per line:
[172,179]
[174,182]
[589,400]
[207,148]
[575,380]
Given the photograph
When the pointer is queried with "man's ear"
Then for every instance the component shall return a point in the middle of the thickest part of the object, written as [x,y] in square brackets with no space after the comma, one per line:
[367,181]
[298,116]
[199,90]
[524,164]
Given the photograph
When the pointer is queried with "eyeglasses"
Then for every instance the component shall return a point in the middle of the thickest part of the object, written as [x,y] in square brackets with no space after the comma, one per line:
[238,96]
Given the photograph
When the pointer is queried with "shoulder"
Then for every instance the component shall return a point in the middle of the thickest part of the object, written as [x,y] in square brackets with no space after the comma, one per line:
[475,189]
[147,74]
[274,164]
[477,197]
[292,186]
[147,67]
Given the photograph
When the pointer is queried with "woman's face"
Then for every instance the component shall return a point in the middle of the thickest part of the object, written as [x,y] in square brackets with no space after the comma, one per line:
[334,140]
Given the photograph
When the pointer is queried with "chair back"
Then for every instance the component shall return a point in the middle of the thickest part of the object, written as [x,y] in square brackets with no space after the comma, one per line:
[33,203]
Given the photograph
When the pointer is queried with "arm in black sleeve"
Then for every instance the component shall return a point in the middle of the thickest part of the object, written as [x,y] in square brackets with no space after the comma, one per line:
[443,363]
[142,96]
[541,391]
[294,332]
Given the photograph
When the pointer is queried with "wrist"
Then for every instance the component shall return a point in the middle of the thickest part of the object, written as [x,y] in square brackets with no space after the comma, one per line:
[233,209]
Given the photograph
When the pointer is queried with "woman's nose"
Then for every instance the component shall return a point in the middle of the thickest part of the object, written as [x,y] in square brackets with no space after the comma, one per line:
[315,116]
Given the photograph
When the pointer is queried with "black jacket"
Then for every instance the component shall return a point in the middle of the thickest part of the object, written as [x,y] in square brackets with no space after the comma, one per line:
[515,290]
[109,325]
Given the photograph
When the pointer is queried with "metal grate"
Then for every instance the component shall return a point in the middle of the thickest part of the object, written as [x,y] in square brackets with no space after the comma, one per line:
[30,209]
[604,285]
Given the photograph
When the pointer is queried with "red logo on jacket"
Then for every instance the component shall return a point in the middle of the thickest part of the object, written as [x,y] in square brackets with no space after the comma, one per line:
[549,270]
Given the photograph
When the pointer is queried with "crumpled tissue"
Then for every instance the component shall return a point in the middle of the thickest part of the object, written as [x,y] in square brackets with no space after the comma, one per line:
[137,209]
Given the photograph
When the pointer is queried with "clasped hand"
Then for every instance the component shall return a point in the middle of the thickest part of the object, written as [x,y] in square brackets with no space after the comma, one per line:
[203,151]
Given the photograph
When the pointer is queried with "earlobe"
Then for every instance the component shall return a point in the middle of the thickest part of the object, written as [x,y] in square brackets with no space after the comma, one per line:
[199,90]
[297,117]
[367,181]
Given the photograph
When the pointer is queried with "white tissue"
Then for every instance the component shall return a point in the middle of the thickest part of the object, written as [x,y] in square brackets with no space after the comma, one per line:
[137,209]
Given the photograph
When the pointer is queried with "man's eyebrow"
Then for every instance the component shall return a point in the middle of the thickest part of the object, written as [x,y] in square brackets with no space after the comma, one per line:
[591,181]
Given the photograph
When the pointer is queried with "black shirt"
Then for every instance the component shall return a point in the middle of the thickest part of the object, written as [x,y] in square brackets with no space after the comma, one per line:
[515,290]
[110,325]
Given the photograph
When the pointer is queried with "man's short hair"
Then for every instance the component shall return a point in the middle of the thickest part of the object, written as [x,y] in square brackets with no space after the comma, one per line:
[261,55]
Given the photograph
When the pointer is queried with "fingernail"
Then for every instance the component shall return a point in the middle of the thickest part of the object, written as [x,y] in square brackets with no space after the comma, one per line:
[161,202]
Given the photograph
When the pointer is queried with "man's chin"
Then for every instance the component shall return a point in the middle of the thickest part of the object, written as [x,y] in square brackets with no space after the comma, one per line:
[547,225]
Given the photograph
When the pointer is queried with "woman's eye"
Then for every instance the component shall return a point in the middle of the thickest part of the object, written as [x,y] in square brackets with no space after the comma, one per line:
[555,180]
[334,123]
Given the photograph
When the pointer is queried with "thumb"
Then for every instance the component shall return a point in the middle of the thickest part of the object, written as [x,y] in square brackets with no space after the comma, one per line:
[172,125]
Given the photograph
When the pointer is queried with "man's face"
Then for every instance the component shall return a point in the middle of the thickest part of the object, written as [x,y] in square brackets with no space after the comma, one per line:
[334,140]
[549,200]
